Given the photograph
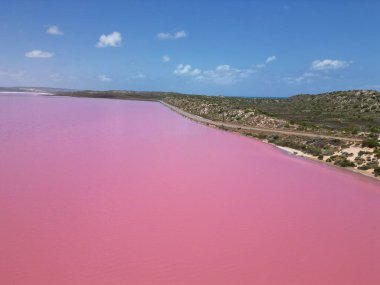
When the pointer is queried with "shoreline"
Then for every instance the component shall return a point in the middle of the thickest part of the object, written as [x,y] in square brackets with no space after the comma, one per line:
[235,129]
[288,150]
[300,154]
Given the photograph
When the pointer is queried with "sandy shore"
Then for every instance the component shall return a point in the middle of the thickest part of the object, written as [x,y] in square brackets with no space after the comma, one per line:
[299,153]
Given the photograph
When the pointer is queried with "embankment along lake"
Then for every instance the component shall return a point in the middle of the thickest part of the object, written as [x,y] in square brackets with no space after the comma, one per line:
[97,191]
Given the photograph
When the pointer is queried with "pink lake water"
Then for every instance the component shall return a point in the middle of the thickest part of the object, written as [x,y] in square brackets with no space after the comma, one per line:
[99,192]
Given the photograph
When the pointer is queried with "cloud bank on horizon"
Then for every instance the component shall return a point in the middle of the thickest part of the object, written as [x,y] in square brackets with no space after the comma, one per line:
[221,54]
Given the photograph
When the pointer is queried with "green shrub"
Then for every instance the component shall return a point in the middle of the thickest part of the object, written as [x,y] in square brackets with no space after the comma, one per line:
[344,162]
[363,167]
[373,164]
[370,143]
[262,136]
[359,160]
[354,131]
[375,130]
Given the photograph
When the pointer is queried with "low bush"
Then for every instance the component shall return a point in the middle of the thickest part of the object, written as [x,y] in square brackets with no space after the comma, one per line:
[376,152]
[344,162]
[359,160]
[371,143]
[363,167]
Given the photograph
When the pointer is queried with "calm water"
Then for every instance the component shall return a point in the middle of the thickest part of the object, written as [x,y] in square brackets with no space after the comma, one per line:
[104,192]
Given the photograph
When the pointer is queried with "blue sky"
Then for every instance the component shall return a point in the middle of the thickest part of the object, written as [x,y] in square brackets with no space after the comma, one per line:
[236,48]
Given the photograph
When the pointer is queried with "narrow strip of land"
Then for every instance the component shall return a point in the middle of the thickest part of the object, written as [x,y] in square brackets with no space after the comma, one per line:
[256,129]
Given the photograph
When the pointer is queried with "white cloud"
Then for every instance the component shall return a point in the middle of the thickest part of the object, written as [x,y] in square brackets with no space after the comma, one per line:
[139,75]
[38,54]
[186,70]
[261,65]
[112,40]
[329,64]
[306,77]
[165,58]
[270,59]
[317,69]
[222,74]
[267,61]
[54,30]
[104,78]
[170,36]
[225,74]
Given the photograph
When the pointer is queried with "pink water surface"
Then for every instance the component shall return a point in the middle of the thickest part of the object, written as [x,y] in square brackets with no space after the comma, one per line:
[98,192]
